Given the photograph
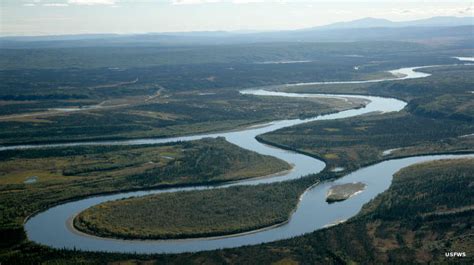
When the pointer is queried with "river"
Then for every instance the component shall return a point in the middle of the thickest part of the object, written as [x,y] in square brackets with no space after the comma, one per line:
[52,227]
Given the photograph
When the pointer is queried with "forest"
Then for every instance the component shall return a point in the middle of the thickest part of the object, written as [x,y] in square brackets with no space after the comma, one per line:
[71,173]
[205,213]
[425,232]
[151,55]
[166,115]
[437,119]
[55,95]
[131,99]
[353,143]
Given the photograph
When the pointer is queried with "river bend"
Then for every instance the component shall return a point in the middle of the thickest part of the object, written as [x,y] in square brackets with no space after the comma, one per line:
[312,213]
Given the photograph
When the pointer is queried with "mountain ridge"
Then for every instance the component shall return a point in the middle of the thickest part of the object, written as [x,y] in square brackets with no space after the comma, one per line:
[370,22]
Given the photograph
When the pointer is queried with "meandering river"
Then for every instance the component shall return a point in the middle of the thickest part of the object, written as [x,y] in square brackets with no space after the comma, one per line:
[52,227]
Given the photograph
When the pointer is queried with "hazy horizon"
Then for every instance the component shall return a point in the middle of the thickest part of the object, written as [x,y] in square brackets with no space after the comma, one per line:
[67,17]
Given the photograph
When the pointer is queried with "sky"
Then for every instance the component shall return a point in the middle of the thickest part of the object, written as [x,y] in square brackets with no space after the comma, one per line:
[58,17]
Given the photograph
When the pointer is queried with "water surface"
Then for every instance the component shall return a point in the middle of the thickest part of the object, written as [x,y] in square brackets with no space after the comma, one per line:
[51,226]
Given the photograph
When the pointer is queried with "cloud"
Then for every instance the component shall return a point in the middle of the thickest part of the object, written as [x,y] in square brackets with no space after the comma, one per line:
[193,2]
[55,4]
[92,2]
[32,3]
[196,2]
[248,1]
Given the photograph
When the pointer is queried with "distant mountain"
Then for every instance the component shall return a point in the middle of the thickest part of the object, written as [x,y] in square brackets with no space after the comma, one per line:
[367,22]
[385,23]
[440,30]
[439,22]
[71,37]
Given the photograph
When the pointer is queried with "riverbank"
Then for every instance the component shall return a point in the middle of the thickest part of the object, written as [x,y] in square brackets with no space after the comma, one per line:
[301,162]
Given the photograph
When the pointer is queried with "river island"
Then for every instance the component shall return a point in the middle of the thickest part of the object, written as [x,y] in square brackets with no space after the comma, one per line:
[344,191]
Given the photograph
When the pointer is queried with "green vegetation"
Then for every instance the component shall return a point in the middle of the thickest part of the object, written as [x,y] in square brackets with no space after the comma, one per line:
[85,163]
[352,143]
[68,173]
[437,119]
[167,91]
[130,57]
[451,79]
[437,219]
[200,213]
[211,161]
[173,114]
[390,229]
[174,163]
[445,94]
